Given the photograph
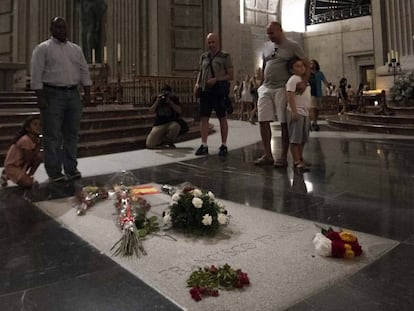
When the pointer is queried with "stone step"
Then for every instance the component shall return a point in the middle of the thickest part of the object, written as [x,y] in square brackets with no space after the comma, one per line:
[18,105]
[395,109]
[12,99]
[89,124]
[380,119]
[121,131]
[106,145]
[16,93]
[105,128]
[90,135]
[17,116]
[339,122]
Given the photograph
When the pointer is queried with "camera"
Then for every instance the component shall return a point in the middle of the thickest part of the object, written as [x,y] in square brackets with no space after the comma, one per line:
[163,97]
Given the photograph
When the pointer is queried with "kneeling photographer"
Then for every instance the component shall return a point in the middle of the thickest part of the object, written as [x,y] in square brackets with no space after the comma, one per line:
[166,129]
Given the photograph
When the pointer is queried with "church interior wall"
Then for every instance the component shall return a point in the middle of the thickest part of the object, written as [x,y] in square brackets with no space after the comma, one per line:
[6,33]
[341,47]
[159,37]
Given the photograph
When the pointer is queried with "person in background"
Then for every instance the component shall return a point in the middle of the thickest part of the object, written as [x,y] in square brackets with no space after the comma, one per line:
[236,93]
[334,91]
[359,97]
[329,89]
[58,67]
[24,155]
[315,80]
[216,70]
[255,84]
[343,95]
[166,129]
[246,97]
[351,93]
[298,113]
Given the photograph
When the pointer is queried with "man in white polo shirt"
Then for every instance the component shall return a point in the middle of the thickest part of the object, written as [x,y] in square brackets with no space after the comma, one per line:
[58,67]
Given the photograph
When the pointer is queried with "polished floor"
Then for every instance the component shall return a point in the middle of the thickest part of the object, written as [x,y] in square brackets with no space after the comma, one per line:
[361,182]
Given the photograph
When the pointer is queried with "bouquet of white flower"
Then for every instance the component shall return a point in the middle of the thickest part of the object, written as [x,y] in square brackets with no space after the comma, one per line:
[195,211]
[402,92]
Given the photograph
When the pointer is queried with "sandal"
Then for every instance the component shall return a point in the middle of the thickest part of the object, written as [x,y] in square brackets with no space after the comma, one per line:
[281,163]
[263,160]
[300,166]
[306,163]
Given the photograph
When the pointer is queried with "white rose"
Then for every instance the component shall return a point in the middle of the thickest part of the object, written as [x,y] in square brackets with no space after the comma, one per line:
[176,196]
[197,202]
[211,196]
[197,193]
[207,220]
[222,219]
[323,246]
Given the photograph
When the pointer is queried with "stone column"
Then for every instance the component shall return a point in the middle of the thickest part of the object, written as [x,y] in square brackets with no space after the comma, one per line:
[6,36]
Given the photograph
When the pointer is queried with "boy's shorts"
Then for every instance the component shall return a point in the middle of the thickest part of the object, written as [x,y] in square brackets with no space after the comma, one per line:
[298,130]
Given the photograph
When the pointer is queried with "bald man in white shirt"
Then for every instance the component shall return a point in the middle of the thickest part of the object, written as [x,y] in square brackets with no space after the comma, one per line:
[58,68]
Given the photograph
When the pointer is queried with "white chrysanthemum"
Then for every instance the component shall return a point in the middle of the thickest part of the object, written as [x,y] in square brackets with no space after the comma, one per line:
[211,196]
[167,219]
[219,205]
[207,220]
[222,219]
[197,193]
[197,202]
[176,196]
[323,246]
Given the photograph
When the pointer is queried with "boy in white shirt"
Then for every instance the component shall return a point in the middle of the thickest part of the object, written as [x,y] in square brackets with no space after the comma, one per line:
[298,113]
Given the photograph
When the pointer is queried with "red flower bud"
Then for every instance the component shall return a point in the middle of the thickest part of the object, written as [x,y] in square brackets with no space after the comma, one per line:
[333,236]
[238,284]
[338,249]
[356,248]
[214,293]
[195,293]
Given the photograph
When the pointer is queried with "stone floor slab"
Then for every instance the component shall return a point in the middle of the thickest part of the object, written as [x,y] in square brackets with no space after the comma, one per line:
[274,249]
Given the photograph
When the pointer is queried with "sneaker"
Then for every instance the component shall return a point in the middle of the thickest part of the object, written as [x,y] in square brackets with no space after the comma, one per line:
[57,178]
[316,127]
[263,160]
[202,150]
[169,146]
[223,151]
[75,175]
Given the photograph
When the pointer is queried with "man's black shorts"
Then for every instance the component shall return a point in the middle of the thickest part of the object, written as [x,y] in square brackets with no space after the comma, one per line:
[213,99]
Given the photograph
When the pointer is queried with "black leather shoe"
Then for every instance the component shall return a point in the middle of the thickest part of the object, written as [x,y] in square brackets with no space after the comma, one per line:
[74,175]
